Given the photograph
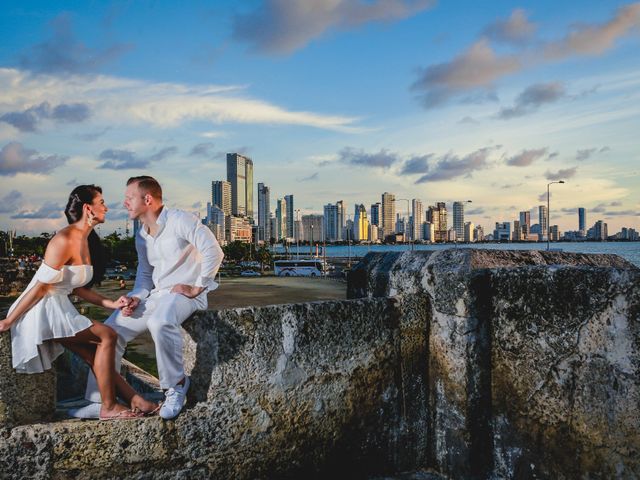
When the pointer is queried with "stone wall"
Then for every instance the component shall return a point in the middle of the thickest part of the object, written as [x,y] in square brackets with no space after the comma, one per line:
[474,364]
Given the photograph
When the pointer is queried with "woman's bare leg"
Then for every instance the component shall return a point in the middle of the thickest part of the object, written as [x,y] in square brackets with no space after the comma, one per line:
[104,339]
[125,391]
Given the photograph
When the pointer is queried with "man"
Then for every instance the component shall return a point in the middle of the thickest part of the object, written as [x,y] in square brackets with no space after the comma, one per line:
[178,258]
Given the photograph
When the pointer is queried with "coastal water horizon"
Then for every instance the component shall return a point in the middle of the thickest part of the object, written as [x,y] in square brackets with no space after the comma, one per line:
[628,250]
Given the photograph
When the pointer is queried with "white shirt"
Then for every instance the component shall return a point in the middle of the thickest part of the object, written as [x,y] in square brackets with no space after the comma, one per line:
[183,251]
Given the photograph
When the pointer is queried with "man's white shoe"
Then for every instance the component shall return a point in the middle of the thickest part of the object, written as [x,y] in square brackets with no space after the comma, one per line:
[88,411]
[175,398]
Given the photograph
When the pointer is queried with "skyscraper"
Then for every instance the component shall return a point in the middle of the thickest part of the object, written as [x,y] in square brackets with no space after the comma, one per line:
[341,219]
[543,221]
[221,195]
[240,176]
[582,221]
[360,224]
[312,228]
[375,214]
[288,200]
[417,218]
[458,220]
[330,222]
[437,216]
[388,214]
[525,224]
[281,219]
[264,210]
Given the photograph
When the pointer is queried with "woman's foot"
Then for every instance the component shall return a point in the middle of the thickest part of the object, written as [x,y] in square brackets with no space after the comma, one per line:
[117,412]
[139,404]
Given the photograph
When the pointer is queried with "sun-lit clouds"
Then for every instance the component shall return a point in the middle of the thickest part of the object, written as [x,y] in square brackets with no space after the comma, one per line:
[358,157]
[122,102]
[115,159]
[562,174]
[532,97]
[476,70]
[49,210]
[416,165]
[526,157]
[283,26]
[595,39]
[28,120]
[15,158]
[517,29]
[450,166]
[63,53]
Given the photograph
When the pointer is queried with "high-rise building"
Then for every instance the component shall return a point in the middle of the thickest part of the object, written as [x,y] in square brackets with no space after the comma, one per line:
[360,224]
[554,233]
[288,200]
[331,227]
[437,215]
[240,176]
[221,195]
[417,218]
[312,228]
[388,214]
[264,212]
[375,214]
[502,233]
[428,231]
[342,218]
[478,233]
[600,230]
[281,219]
[543,221]
[458,220]
[238,229]
[582,220]
[468,232]
[525,224]
[517,231]
[217,224]
[273,227]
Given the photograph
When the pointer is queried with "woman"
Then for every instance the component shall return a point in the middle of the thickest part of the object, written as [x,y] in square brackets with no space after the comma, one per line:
[43,319]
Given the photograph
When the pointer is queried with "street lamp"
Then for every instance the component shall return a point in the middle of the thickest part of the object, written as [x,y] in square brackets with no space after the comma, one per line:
[311,242]
[406,225]
[549,212]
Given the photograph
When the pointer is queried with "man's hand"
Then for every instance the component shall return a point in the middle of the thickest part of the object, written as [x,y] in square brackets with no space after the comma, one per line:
[132,305]
[187,290]
[121,302]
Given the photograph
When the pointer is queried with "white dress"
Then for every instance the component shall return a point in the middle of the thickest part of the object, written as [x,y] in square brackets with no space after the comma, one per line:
[54,316]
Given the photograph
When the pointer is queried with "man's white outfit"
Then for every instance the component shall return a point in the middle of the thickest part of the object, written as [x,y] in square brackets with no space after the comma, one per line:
[184,251]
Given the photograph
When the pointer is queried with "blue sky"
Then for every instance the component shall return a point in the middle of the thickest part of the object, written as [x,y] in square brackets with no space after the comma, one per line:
[332,99]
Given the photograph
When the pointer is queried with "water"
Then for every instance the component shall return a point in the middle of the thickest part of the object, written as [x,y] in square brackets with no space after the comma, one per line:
[627,250]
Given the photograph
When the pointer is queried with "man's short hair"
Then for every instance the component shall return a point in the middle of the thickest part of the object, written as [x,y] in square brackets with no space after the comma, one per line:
[147,184]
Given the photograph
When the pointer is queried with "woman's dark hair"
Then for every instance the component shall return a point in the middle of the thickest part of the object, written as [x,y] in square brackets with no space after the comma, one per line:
[81,195]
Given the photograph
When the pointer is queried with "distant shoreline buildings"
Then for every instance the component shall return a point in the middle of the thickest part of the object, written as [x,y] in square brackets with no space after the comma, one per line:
[230,215]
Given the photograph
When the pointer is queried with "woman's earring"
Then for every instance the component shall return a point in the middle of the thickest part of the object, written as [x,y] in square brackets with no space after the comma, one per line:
[90,219]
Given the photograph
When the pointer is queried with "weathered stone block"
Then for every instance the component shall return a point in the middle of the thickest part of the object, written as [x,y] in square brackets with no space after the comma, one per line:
[23,398]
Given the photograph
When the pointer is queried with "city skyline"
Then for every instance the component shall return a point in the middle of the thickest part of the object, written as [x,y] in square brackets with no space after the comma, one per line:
[429,101]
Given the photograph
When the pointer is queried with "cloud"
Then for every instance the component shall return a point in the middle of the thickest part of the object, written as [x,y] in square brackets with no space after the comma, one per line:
[477,68]
[128,102]
[416,165]
[475,211]
[90,137]
[14,159]
[47,211]
[284,26]
[561,174]
[595,39]
[510,185]
[382,159]
[311,178]
[526,157]
[451,166]
[543,197]
[532,97]
[515,30]
[468,120]
[621,213]
[63,53]
[203,150]
[585,154]
[11,202]
[604,149]
[27,120]
[126,159]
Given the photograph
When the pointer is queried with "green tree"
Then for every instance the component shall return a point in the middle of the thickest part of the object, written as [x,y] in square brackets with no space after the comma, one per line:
[264,256]
[237,251]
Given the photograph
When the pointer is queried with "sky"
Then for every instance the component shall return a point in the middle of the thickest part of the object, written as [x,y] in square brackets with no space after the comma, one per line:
[331,99]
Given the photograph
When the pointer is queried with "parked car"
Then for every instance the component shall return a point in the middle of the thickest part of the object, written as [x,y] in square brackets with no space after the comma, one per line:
[250,273]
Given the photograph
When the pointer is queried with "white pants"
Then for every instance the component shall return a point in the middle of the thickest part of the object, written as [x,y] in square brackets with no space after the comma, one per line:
[162,313]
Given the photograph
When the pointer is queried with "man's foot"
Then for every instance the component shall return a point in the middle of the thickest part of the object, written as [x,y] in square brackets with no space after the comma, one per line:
[88,411]
[139,404]
[118,412]
[175,399]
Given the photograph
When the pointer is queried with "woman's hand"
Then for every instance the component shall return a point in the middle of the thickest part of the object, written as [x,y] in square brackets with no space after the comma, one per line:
[5,325]
[121,302]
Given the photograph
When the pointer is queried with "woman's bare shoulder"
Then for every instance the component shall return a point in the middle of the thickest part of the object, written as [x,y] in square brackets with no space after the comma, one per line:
[59,248]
